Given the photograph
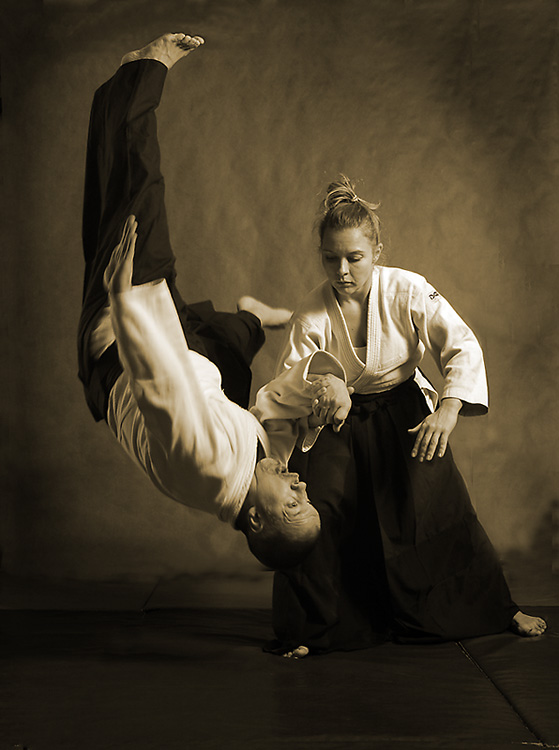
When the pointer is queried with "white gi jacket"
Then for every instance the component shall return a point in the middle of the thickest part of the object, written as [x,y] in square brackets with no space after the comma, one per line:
[169,412]
[406,317]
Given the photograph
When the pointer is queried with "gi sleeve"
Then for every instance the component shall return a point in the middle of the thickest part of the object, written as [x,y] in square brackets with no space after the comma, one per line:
[284,405]
[453,346]
[301,342]
[173,386]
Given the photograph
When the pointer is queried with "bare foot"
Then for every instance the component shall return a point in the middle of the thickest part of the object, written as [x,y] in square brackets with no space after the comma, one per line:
[168,49]
[118,274]
[527,625]
[297,653]
[270,317]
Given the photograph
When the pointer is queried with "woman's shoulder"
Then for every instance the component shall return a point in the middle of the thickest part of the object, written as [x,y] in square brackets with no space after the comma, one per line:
[314,306]
[399,280]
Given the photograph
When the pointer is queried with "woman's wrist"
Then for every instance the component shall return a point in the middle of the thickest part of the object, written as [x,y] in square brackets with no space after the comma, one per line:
[451,404]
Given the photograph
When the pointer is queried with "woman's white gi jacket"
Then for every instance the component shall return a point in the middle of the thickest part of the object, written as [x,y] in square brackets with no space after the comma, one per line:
[406,316]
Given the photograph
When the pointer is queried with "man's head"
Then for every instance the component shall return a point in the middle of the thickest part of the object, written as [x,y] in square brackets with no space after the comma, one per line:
[280,524]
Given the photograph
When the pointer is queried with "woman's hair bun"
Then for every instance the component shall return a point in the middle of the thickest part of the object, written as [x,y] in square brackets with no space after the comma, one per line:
[339,191]
[343,208]
[343,191]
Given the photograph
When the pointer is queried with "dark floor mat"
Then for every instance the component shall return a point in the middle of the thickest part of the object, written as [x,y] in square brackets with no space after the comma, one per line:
[198,679]
[526,672]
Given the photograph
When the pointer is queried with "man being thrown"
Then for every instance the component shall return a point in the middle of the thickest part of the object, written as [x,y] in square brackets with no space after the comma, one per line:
[171,379]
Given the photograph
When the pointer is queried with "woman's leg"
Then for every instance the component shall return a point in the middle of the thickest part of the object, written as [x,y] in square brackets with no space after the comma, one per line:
[336,599]
[445,578]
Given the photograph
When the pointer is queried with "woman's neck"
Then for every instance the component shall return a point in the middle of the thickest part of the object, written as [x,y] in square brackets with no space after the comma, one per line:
[355,314]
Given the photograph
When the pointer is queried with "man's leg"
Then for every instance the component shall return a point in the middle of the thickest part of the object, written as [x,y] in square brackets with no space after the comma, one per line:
[123,177]
[229,340]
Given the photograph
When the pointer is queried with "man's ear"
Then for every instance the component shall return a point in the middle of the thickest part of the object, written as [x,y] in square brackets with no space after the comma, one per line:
[255,522]
[378,251]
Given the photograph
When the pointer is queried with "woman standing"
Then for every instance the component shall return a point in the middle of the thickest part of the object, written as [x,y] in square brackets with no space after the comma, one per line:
[402,554]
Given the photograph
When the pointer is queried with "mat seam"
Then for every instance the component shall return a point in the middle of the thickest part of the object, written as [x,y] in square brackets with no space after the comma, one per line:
[150,595]
[524,721]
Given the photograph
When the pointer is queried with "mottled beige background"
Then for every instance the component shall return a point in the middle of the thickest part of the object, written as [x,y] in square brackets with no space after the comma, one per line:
[446,112]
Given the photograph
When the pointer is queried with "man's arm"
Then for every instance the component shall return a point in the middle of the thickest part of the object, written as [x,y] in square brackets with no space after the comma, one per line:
[285,405]
[172,385]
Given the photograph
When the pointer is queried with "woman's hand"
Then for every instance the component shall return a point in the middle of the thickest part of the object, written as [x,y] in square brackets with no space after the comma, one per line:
[331,400]
[434,431]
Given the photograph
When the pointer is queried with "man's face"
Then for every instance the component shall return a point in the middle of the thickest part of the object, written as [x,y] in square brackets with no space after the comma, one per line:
[281,494]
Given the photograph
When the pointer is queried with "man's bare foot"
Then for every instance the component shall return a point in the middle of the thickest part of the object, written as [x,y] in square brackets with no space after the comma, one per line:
[118,274]
[297,653]
[168,49]
[270,317]
[527,625]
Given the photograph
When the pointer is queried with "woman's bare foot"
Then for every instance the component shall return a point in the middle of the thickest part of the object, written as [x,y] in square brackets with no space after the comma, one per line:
[270,317]
[118,274]
[527,625]
[297,653]
[168,49]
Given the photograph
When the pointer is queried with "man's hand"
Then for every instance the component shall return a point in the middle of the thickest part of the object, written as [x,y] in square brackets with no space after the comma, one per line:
[331,400]
[118,274]
[434,431]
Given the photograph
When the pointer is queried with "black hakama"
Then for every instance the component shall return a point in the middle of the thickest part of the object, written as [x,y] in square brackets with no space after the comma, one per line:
[402,554]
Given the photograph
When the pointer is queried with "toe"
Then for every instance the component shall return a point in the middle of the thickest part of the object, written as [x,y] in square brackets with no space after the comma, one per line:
[190,42]
[298,653]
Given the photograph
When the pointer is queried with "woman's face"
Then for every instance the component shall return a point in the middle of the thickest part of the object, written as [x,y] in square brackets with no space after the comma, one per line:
[348,257]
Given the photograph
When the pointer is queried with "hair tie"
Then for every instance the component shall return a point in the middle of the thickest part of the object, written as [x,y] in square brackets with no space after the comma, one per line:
[355,198]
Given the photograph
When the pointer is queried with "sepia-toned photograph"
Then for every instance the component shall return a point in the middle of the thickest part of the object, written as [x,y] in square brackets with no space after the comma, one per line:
[281,360]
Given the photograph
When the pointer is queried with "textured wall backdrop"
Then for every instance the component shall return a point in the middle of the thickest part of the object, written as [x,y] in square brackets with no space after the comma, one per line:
[446,112]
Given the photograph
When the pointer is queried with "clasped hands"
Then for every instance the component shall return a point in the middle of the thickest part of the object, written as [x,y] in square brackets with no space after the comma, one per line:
[331,404]
[331,401]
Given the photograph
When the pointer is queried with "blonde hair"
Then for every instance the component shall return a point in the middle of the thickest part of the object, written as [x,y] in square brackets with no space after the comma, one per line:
[342,208]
